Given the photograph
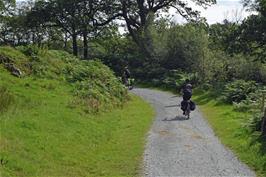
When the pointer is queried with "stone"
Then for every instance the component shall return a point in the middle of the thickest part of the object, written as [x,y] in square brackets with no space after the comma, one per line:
[13,69]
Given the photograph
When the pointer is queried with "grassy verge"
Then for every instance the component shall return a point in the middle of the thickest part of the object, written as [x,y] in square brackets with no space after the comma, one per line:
[43,135]
[229,126]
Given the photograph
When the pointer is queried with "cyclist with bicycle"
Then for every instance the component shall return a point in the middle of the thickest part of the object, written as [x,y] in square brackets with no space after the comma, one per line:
[187,94]
[126,76]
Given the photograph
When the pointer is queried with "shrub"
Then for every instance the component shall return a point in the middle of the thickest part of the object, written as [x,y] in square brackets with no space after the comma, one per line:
[33,50]
[95,85]
[239,90]
[244,105]
[175,79]
[254,124]
[253,101]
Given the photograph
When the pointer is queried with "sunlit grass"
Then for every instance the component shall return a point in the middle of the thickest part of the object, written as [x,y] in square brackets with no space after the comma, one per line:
[41,135]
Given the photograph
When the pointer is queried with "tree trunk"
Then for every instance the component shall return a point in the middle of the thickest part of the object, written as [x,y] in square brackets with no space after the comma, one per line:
[65,41]
[263,125]
[75,44]
[142,36]
[85,44]
[33,38]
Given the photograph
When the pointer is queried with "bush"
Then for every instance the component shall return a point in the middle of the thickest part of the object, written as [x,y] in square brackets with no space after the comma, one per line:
[174,79]
[239,90]
[254,124]
[95,85]
[253,101]
[33,50]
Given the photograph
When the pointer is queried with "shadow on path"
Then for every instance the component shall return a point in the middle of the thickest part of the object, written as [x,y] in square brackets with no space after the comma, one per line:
[177,118]
[171,106]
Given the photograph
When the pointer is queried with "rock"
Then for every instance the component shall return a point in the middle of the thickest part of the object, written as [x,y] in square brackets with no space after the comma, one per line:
[13,70]
[4,59]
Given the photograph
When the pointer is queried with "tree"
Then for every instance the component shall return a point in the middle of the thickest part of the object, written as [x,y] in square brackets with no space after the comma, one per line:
[251,34]
[13,28]
[5,6]
[75,17]
[93,16]
[140,14]
[252,37]
[65,15]
[223,36]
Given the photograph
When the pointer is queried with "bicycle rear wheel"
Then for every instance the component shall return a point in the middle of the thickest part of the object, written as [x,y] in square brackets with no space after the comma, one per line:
[188,110]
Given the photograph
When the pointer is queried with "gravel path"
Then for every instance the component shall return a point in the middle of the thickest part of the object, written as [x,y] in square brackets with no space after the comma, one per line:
[180,147]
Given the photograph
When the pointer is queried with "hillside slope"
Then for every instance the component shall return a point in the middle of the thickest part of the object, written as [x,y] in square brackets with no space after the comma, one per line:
[48,121]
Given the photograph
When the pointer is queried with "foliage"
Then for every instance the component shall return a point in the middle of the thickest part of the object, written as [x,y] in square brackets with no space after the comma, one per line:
[116,51]
[239,90]
[252,30]
[179,47]
[5,6]
[140,24]
[33,50]
[246,37]
[74,18]
[254,124]
[94,84]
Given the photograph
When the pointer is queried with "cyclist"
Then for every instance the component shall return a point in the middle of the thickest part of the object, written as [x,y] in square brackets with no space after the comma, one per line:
[126,76]
[187,94]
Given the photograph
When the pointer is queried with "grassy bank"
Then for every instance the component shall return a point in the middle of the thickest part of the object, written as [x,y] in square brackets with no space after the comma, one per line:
[47,126]
[57,141]
[229,126]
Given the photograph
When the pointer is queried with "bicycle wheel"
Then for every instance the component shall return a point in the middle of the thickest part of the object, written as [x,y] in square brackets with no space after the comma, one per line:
[188,110]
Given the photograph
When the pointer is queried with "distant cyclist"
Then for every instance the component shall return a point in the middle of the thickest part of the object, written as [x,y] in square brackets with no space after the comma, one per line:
[187,94]
[126,76]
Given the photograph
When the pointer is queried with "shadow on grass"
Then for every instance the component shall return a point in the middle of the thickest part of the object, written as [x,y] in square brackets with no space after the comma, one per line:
[259,140]
[208,96]
[262,140]
[204,98]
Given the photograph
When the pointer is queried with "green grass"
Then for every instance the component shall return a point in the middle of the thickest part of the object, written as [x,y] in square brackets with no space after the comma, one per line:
[229,126]
[42,135]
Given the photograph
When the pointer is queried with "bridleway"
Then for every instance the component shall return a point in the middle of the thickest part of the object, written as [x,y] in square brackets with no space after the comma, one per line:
[179,147]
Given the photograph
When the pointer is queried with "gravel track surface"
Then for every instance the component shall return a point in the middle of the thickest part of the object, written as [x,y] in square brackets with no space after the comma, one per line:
[180,147]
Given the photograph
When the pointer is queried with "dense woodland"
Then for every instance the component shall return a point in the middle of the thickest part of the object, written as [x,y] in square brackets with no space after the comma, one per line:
[227,59]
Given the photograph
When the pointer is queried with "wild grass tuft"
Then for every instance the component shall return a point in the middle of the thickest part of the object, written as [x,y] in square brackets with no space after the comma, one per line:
[6,99]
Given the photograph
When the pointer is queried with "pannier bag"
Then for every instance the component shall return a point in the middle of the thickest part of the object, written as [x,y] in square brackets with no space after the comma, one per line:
[192,106]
